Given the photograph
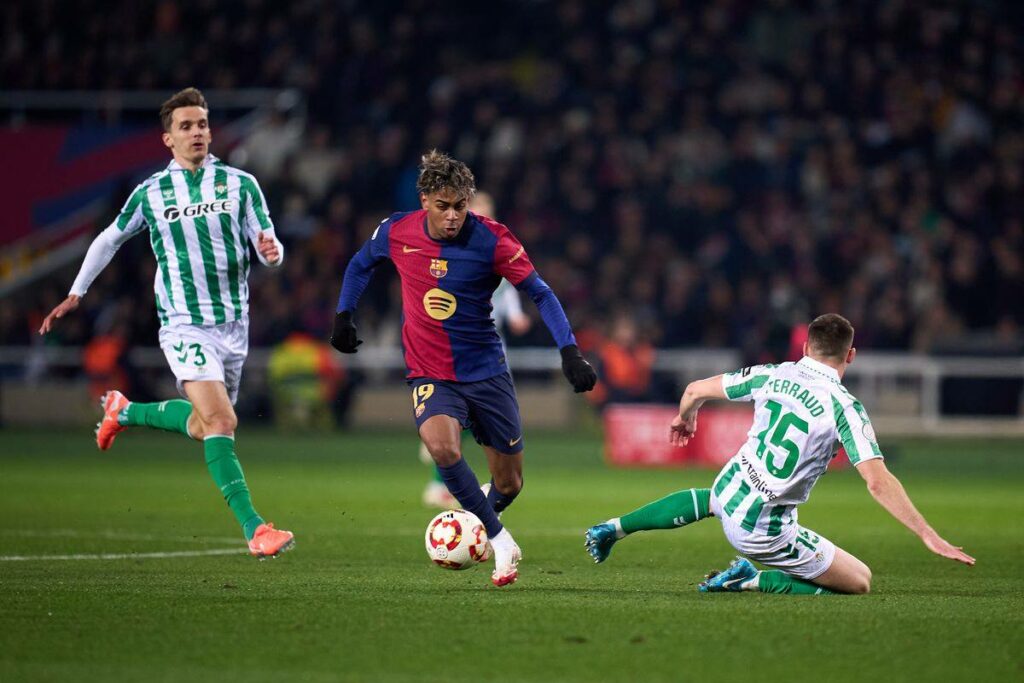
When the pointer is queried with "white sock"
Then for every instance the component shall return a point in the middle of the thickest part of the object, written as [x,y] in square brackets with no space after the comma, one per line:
[617,523]
[503,539]
[753,584]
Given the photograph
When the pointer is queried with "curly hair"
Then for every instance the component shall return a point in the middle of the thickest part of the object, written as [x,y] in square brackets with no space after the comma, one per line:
[830,335]
[439,171]
[189,97]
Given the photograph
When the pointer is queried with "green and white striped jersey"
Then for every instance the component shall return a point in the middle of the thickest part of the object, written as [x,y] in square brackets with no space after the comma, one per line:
[199,227]
[801,413]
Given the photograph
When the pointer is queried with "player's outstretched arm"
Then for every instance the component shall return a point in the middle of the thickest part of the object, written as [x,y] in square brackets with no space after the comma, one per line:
[890,494]
[99,255]
[684,425]
[61,310]
[357,277]
[575,367]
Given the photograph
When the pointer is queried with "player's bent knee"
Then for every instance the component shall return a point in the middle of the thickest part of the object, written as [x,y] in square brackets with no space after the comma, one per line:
[444,454]
[509,483]
[865,581]
[860,582]
[220,423]
[860,586]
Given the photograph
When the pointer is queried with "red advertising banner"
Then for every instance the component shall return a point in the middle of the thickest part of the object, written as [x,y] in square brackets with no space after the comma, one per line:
[636,435]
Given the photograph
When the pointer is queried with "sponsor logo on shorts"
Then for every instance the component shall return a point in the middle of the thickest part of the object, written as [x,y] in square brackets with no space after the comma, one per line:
[513,442]
[420,408]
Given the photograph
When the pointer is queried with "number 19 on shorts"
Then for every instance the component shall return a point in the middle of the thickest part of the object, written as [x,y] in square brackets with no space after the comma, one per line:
[419,397]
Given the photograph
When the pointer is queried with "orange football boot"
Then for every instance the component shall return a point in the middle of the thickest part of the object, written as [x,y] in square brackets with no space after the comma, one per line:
[113,402]
[270,542]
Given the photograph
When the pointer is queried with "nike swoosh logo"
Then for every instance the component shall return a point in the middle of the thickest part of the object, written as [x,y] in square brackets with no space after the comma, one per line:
[406,249]
[513,442]
[732,583]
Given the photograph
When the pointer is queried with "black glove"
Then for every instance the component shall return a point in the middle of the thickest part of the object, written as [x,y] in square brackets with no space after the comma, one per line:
[577,370]
[344,336]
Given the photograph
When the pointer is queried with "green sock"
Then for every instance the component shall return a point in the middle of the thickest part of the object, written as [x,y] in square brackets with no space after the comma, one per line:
[776,581]
[674,510]
[170,415]
[227,474]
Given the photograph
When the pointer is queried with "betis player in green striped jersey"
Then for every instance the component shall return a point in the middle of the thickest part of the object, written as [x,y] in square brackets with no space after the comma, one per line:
[201,216]
[801,413]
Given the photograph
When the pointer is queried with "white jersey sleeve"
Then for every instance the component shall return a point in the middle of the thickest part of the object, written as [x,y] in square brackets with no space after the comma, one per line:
[741,385]
[257,218]
[128,223]
[855,430]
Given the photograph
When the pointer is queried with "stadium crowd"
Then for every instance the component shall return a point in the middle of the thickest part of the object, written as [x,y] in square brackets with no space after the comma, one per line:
[719,171]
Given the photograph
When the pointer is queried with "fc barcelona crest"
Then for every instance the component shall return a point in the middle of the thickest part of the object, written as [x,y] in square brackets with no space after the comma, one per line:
[438,267]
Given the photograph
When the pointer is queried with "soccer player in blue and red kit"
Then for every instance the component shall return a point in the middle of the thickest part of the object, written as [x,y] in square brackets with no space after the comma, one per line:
[450,261]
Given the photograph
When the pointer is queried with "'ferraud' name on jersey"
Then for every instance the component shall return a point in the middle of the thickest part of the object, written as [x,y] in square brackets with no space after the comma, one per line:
[784,386]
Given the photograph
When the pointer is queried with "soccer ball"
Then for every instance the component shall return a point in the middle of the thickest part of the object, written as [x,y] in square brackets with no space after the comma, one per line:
[456,539]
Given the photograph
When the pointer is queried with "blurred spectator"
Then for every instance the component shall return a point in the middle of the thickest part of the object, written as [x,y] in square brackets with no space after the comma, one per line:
[265,150]
[624,364]
[308,386]
[102,361]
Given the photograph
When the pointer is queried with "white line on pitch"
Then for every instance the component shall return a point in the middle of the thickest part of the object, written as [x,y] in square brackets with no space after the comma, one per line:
[112,535]
[122,556]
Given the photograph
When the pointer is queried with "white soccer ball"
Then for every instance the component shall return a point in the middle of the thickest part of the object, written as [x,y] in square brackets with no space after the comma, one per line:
[456,539]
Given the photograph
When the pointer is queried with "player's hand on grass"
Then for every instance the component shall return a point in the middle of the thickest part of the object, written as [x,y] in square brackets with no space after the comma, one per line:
[682,430]
[940,546]
[267,247]
[578,371]
[65,307]
[343,337]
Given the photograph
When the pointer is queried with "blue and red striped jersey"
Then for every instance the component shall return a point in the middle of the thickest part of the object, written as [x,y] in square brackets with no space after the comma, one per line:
[447,329]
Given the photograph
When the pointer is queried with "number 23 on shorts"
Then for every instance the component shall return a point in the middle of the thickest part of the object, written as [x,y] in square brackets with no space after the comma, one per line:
[419,397]
[198,357]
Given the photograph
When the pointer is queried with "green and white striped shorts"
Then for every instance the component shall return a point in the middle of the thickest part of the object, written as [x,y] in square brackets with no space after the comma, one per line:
[796,550]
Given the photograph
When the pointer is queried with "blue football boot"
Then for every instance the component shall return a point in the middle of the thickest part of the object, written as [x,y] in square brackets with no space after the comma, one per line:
[739,572]
[600,539]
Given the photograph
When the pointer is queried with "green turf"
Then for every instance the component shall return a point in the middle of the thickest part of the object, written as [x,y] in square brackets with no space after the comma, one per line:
[358,599]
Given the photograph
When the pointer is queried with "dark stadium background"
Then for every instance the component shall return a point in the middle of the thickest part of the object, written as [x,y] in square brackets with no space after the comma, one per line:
[718,171]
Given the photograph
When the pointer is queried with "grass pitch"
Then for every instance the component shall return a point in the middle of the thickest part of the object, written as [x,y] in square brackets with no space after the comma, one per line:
[154,584]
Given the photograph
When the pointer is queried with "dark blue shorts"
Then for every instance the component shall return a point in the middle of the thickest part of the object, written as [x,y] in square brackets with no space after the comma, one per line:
[488,408]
